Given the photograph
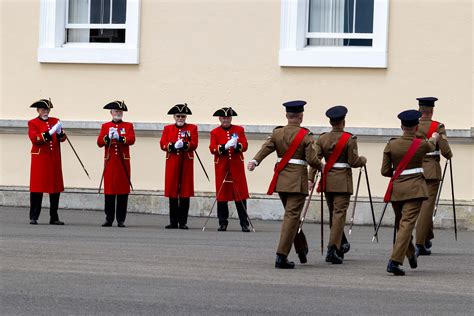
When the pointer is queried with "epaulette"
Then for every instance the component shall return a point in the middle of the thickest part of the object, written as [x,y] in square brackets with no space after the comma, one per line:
[441,125]
[278,127]
[391,139]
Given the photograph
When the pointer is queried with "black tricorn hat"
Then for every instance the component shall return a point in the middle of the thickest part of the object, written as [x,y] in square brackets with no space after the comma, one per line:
[42,104]
[409,118]
[337,113]
[116,105]
[427,101]
[225,112]
[180,109]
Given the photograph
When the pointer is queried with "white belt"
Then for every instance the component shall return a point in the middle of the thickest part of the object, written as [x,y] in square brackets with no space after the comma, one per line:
[411,171]
[341,165]
[296,161]
[434,153]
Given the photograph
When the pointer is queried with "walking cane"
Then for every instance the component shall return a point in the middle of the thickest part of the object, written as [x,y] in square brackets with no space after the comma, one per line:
[355,201]
[215,201]
[452,197]
[245,207]
[77,156]
[380,222]
[105,166]
[307,203]
[370,199]
[440,187]
[124,167]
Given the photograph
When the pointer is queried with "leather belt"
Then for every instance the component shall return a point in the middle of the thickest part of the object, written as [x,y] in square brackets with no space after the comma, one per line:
[434,153]
[296,161]
[341,165]
[411,171]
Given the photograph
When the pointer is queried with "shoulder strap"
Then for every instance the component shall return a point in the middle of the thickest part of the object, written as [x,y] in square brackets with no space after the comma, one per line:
[433,128]
[402,166]
[286,157]
[341,143]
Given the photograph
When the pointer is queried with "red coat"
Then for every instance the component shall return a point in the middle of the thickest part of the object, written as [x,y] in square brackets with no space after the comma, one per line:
[46,172]
[179,170]
[231,161]
[115,178]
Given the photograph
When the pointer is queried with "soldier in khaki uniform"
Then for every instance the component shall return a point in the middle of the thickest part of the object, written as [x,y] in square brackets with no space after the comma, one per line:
[409,189]
[292,181]
[338,181]
[432,172]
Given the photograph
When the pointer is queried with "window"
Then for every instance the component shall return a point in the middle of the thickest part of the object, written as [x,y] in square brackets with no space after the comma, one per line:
[89,31]
[334,33]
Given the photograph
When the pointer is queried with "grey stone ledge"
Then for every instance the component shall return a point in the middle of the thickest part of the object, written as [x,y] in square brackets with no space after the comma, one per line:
[91,128]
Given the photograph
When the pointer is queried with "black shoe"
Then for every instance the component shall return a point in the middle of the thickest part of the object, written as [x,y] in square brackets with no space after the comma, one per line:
[413,261]
[332,256]
[302,256]
[121,224]
[428,244]
[57,222]
[106,224]
[245,229]
[340,253]
[183,226]
[394,267]
[222,228]
[422,251]
[33,222]
[282,262]
[345,247]
[172,226]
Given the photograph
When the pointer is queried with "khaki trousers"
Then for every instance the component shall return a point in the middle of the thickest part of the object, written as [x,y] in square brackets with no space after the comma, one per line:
[424,226]
[293,204]
[338,203]
[406,213]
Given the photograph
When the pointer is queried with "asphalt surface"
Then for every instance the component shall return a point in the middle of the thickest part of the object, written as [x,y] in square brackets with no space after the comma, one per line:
[83,268]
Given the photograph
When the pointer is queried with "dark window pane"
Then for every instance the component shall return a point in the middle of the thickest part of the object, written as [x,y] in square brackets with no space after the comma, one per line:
[107,35]
[100,11]
[364,17]
[119,11]
[357,42]
[338,42]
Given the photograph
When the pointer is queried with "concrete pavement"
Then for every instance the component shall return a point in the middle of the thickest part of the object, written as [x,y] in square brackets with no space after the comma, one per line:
[82,268]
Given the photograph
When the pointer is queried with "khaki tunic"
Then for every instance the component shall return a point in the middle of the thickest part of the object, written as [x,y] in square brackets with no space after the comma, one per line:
[294,178]
[431,167]
[338,180]
[409,186]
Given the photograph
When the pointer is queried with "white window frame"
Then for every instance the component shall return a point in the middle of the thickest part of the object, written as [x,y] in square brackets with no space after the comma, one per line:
[54,49]
[295,53]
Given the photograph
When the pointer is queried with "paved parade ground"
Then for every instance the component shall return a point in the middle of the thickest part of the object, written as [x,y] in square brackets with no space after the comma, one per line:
[83,268]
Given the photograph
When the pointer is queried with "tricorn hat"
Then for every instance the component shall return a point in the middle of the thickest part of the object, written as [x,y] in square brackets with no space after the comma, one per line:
[42,104]
[228,111]
[180,109]
[116,105]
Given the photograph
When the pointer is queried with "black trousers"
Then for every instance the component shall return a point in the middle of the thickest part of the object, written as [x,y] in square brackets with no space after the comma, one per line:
[36,198]
[223,212]
[179,209]
[119,208]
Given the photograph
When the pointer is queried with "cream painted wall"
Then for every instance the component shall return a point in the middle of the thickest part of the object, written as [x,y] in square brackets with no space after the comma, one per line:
[218,53]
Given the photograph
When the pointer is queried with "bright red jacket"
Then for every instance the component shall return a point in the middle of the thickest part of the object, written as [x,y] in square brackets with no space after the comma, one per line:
[230,162]
[115,178]
[179,169]
[46,171]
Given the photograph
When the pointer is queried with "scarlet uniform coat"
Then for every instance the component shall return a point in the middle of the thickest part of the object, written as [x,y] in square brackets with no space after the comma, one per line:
[179,170]
[115,178]
[46,172]
[231,160]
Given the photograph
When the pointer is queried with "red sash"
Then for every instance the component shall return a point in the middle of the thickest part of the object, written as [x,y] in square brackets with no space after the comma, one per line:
[333,158]
[402,166]
[433,128]
[286,157]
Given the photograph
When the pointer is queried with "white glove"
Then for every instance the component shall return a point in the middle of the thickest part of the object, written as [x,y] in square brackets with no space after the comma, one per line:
[235,138]
[53,129]
[230,143]
[112,132]
[59,127]
[179,144]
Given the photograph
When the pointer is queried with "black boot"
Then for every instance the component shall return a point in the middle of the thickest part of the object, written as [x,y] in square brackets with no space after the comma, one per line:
[422,251]
[222,228]
[282,262]
[413,261]
[245,229]
[332,255]
[394,267]
[428,244]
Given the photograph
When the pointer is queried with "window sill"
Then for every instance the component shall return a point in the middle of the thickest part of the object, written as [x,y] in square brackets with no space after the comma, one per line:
[89,54]
[352,57]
